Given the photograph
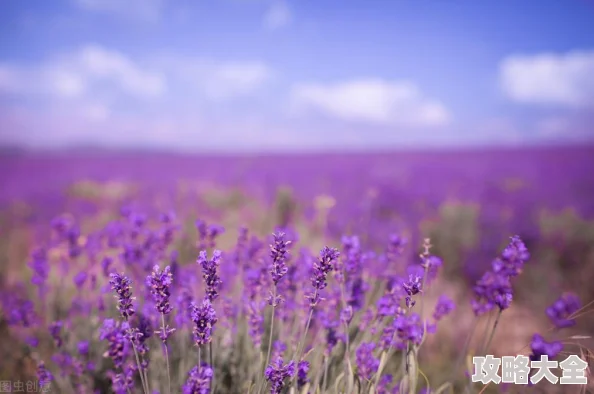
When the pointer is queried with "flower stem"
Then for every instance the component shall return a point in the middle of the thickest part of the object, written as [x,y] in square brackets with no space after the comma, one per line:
[166,353]
[269,339]
[493,331]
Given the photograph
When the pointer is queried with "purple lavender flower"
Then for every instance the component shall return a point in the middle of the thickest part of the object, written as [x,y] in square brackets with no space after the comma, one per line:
[409,328]
[117,343]
[209,273]
[80,279]
[540,347]
[384,382]
[492,290]
[123,383]
[204,318]
[121,285]
[105,264]
[512,259]
[412,287]
[321,268]
[279,254]
[255,322]
[443,307]
[83,348]
[367,364]
[55,328]
[302,371]
[159,283]
[43,375]
[40,266]
[562,310]
[199,379]
[276,374]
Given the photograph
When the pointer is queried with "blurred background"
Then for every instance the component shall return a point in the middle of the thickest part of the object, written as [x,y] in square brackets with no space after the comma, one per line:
[464,121]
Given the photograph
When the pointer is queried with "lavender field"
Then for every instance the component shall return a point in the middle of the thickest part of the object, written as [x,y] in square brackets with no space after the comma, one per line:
[319,273]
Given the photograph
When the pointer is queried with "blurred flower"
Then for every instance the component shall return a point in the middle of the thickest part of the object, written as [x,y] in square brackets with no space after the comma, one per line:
[302,371]
[367,364]
[561,311]
[540,347]
[443,307]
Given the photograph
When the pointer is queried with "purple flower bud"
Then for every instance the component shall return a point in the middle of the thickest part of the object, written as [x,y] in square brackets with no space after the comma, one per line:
[121,285]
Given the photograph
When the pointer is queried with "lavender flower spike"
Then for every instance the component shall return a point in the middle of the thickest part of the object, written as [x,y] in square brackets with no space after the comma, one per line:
[204,318]
[121,285]
[320,273]
[279,254]
[277,373]
[209,273]
[159,283]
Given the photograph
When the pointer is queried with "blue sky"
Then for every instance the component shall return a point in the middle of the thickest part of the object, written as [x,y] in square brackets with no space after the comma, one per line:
[301,74]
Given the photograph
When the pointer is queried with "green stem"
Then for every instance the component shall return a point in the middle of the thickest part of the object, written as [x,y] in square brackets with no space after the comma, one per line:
[166,353]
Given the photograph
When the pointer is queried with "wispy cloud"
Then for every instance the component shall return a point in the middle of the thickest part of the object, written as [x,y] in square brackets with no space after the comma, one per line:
[143,10]
[218,80]
[87,71]
[550,79]
[277,15]
[372,101]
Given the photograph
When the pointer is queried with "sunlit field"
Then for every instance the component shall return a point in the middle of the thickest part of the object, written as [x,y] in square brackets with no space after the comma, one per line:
[376,273]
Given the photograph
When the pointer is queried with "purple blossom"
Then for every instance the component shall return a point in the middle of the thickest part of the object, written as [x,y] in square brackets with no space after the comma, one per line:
[540,347]
[443,307]
[209,273]
[204,318]
[121,285]
[199,379]
[55,329]
[562,310]
[117,343]
[367,364]
[412,287]
[40,266]
[409,328]
[43,375]
[512,259]
[80,279]
[302,371]
[321,268]
[159,283]
[492,290]
[279,253]
[83,348]
[255,322]
[276,374]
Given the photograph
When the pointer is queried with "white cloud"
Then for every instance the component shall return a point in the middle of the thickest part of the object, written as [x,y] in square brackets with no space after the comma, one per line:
[278,15]
[83,72]
[218,80]
[372,100]
[145,10]
[557,79]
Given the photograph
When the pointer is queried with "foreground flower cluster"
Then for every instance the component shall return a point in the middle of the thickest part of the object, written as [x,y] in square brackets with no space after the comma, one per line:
[268,315]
